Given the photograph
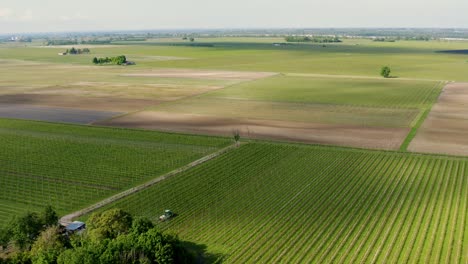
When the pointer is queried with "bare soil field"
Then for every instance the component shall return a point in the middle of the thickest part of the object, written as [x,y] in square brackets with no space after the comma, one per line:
[344,135]
[444,131]
[202,74]
[53,114]
[73,101]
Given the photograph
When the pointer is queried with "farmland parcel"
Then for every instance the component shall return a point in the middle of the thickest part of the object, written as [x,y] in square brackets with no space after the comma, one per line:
[444,131]
[70,167]
[333,206]
[261,202]
[338,111]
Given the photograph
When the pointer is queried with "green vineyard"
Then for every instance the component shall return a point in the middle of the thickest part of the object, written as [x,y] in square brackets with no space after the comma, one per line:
[70,167]
[281,203]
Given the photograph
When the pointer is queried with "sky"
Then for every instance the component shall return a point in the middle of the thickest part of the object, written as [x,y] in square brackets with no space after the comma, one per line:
[19,16]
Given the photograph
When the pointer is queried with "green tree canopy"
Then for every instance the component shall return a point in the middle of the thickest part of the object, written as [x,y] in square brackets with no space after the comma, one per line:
[108,224]
[48,246]
[385,72]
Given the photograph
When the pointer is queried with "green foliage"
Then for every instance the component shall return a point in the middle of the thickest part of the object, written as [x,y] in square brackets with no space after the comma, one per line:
[110,237]
[385,72]
[109,224]
[314,39]
[141,225]
[236,135]
[74,51]
[60,42]
[119,60]
[4,237]
[50,217]
[384,40]
[80,255]
[116,239]
[25,229]
[48,246]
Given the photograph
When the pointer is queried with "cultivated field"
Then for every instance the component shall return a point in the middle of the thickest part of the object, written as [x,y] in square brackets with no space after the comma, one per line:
[444,131]
[359,112]
[263,202]
[70,167]
[300,92]
[53,114]
[271,203]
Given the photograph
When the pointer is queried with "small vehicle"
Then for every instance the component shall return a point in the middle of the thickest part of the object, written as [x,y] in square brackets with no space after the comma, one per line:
[168,214]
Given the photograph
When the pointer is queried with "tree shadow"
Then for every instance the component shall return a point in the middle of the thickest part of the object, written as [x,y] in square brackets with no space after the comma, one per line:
[202,256]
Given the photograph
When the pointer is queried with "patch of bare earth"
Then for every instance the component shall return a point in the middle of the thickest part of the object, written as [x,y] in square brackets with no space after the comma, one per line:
[202,74]
[78,102]
[343,135]
[445,129]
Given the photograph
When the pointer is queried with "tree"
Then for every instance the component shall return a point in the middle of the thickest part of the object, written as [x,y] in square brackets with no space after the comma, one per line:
[108,224]
[192,39]
[141,225]
[4,237]
[49,217]
[385,72]
[236,136]
[48,246]
[95,60]
[24,230]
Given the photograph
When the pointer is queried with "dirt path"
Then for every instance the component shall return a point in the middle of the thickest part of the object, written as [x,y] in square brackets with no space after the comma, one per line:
[67,219]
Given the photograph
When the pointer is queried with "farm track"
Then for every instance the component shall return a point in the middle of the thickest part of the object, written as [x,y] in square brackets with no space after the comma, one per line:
[67,219]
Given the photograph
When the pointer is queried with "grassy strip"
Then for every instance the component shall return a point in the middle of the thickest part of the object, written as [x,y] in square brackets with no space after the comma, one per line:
[414,129]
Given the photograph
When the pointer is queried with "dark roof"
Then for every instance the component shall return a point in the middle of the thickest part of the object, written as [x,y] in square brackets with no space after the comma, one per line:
[77,225]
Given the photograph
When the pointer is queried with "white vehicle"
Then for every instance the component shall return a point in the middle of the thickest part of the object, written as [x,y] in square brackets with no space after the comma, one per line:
[166,216]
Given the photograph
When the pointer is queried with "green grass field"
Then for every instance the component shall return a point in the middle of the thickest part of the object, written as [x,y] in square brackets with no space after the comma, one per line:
[351,101]
[271,203]
[411,59]
[70,167]
[379,93]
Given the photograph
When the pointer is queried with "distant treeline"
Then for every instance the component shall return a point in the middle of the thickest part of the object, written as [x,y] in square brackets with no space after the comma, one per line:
[119,60]
[384,40]
[59,42]
[74,51]
[394,39]
[315,39]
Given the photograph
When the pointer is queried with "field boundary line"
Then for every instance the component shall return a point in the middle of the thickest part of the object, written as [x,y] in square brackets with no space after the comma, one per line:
[67,219]
[338,76]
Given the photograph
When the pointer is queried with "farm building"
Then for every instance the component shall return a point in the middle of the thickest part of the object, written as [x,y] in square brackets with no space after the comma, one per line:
[75,227]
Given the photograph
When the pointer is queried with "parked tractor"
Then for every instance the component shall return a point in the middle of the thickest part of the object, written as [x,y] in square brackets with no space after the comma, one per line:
[168,214]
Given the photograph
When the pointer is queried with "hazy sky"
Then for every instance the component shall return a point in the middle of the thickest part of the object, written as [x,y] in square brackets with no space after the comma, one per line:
[96,15]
